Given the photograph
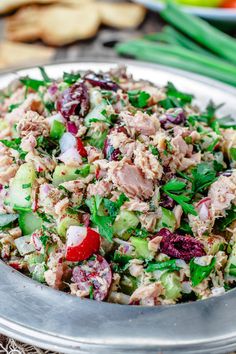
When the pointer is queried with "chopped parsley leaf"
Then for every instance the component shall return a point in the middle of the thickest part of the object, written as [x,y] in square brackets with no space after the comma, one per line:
[138,99]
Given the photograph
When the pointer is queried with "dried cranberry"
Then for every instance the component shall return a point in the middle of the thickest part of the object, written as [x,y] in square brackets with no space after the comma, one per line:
[103,82]
[110,153]
[94,273]
[177,246]
[74,101]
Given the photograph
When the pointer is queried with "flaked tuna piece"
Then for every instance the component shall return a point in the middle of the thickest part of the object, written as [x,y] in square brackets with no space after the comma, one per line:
[223,193]
[129,179]
[140,123]
[28,143]
[136,205]
[94,154]
[101,188]
[8,168]
[148,163]
[204,221]
[149,220]
[34,124]
[147,295]
[41,163]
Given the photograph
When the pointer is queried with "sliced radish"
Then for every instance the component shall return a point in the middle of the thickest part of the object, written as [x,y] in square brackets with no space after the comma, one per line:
[81,243]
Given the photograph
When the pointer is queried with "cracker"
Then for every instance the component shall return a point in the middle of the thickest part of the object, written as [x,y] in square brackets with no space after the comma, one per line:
[24,25]
[61,25]
[10,5]
[121,15]
[17,54]
[55,25]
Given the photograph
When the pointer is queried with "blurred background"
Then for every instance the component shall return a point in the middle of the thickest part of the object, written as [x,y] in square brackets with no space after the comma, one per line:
[34,32]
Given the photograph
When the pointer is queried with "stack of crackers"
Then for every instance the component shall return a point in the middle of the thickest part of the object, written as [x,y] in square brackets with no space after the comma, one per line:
[58,23]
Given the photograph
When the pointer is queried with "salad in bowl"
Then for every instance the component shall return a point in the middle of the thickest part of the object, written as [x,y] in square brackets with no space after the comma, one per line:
[116,189]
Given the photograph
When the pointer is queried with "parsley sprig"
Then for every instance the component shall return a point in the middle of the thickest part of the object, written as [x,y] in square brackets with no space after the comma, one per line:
[176,189]
[138,99]
[104,212]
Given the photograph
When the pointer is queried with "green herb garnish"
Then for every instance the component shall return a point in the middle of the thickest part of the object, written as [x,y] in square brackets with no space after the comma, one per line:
[138,99]
[71,78]
[198,273]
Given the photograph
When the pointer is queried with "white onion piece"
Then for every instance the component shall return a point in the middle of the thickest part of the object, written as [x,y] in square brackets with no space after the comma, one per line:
[37,242]
[67,142]
[75,235]
[203,212]
[71,157]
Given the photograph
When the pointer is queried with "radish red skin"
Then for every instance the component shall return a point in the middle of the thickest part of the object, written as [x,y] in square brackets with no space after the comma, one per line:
[85,249]
[80,148]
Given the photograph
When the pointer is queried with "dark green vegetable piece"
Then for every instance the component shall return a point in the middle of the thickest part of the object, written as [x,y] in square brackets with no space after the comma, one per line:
[199,273]
[99,217]
[230,217]
[175,189]
[169,265]
[203,176]
[32,83]
[45,75]
[138,99]
[201,31]
[179,57]
[71,78]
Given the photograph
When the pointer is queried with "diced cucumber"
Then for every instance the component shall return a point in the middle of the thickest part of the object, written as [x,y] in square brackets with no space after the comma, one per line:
[6,219]
[167,220]
[63,174]
[171,283]
[141,247]
[34,259]
[29,222]
[38,273]
[128,284]
[96,113]
[125,220]
[57,130]
[64,222]
[21,187]
[230,270]
[24,245]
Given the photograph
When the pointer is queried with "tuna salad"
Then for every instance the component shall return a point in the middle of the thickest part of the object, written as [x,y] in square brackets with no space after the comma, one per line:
[116,189]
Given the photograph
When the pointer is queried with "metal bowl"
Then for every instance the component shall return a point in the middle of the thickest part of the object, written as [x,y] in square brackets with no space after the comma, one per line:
[54,320]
